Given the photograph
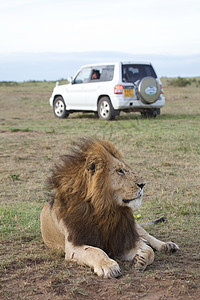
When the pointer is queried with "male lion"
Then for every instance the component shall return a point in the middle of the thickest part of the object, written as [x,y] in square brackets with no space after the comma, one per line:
[91,214]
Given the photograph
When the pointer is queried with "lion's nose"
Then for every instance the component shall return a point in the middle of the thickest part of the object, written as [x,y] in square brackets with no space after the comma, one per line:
[141,185]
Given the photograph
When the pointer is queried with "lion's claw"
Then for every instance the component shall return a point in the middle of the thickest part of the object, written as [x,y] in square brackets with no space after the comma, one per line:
[170,247]
[140,262]
[110,269]
[143,258]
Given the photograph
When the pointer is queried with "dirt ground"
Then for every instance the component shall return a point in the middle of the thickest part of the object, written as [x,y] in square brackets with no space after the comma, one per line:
[50,277]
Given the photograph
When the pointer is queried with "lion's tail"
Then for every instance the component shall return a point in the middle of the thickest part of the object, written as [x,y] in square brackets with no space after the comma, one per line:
[163,219]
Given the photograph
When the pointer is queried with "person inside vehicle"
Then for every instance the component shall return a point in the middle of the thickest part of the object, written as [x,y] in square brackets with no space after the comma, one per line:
[95,74]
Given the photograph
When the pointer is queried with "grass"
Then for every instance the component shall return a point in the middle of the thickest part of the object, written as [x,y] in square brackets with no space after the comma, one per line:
[22,218]
[165,151]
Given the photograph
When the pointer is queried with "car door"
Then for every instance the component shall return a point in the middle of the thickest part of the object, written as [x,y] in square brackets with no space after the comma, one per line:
[75,94]
[99,84]
[93,88]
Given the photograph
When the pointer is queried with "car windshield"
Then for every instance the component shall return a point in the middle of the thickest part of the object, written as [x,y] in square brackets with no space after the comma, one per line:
[134,72]
[83,76]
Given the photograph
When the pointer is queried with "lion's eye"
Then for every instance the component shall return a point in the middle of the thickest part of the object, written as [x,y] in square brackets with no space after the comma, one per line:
[120,172]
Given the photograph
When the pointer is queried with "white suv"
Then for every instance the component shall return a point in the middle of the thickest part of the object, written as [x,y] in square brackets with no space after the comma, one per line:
[108,89]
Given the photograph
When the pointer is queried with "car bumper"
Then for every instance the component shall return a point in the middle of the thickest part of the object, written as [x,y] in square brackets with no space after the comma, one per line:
[51,100]
[121,103]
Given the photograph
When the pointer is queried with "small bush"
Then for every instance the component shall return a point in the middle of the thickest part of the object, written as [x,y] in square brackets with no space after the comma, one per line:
[14,177]
[8,83]
[179,82]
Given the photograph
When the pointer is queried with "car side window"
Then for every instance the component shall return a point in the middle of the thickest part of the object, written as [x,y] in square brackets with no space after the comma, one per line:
[102,73]
[107,73]
[83,76]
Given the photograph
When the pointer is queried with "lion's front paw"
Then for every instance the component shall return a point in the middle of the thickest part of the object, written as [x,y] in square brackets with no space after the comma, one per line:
[143,258]
[108,269]
[140,262]
[170,247]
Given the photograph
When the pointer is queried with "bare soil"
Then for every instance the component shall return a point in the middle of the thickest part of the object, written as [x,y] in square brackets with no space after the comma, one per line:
[50,277]
[32,276]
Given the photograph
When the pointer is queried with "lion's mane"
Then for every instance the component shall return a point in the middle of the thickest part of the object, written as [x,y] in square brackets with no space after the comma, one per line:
[85,203]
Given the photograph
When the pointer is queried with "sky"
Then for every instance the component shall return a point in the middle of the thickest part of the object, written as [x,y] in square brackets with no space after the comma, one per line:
[146,28]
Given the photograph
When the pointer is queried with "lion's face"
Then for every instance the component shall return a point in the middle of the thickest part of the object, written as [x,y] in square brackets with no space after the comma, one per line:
[97,174]
[114,179]
[127,186]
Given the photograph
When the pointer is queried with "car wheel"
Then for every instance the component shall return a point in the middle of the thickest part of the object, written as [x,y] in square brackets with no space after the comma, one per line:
[105,109]
[149,114]
[59,108]
[149,90]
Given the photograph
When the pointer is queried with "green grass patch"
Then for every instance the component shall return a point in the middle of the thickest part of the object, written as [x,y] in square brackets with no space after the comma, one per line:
[20,129]
[20,219]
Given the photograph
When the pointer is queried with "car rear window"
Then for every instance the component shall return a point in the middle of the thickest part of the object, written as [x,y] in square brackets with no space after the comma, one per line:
[134,72]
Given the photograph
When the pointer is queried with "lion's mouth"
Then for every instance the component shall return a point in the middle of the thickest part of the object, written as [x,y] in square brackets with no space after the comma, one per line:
[128,201]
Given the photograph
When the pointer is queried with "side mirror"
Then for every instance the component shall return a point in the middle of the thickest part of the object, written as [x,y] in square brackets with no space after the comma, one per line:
[70,79]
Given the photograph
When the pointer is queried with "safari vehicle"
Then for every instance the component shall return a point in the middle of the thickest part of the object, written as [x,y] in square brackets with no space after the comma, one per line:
[109,88]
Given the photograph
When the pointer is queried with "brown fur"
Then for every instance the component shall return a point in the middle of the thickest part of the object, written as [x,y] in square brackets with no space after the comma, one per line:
[84,199]
[91,213]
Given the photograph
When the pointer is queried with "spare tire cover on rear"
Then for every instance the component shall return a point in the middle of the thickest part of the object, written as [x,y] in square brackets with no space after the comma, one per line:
[149,90]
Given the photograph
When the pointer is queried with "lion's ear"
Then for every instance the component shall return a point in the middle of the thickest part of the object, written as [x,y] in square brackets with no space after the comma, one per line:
[92,167]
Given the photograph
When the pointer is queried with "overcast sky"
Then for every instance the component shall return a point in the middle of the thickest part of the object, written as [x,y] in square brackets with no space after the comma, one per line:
[147,26]
[152,27]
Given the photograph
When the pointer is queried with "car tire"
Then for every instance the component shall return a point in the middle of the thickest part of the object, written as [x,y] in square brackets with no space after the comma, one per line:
[148,90]
[105,109]
[59,108]
[148,114]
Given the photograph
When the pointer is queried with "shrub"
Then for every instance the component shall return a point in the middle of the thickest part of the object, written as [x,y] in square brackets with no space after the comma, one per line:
[179,82]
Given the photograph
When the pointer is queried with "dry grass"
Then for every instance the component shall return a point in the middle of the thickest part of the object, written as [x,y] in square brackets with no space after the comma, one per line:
[165,151]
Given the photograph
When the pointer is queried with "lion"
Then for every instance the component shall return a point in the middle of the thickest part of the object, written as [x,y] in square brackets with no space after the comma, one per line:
[90,216]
